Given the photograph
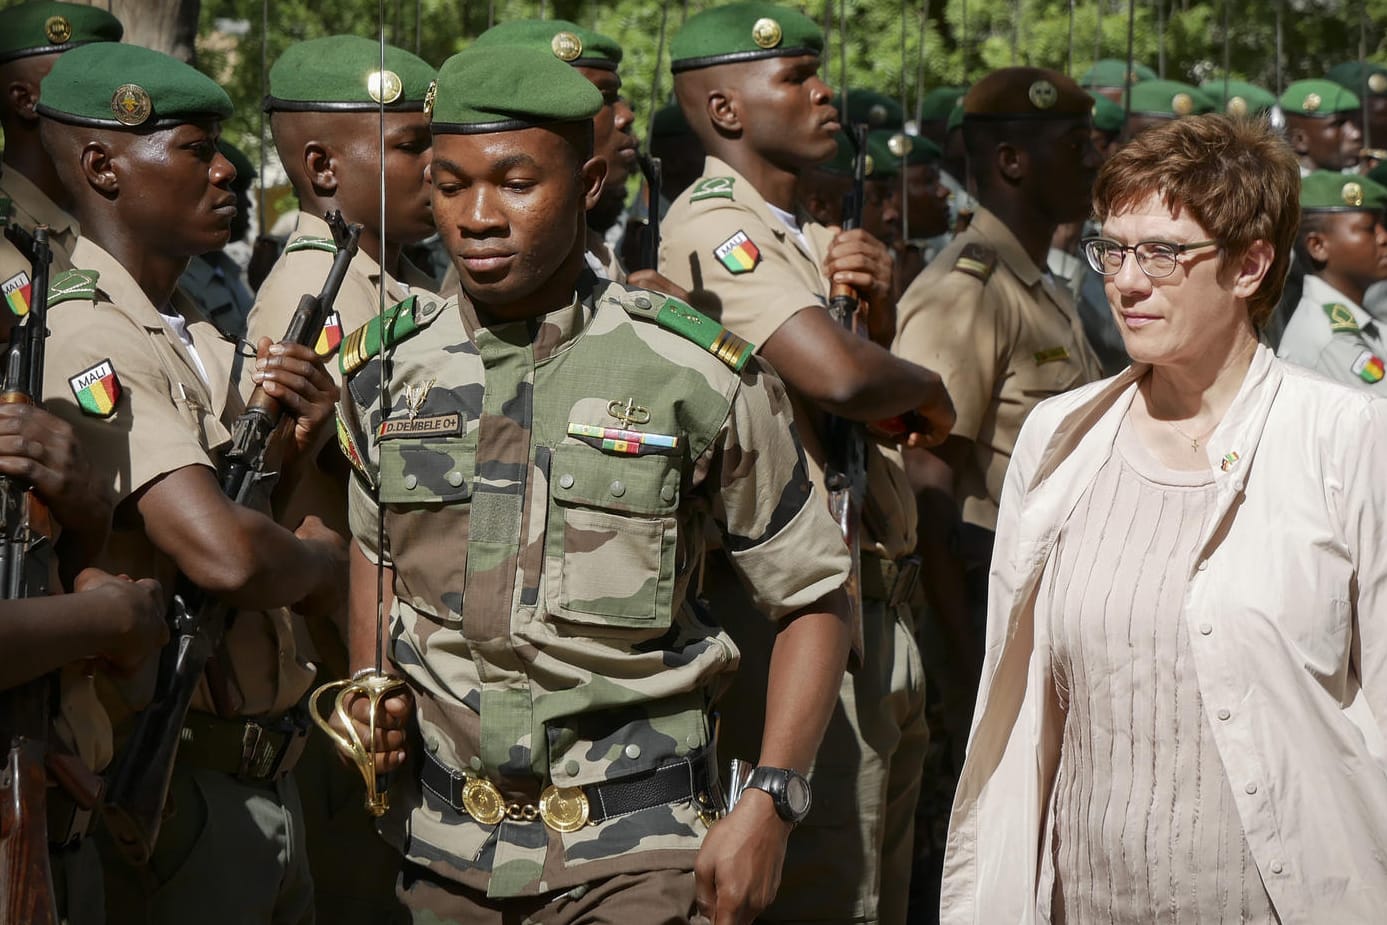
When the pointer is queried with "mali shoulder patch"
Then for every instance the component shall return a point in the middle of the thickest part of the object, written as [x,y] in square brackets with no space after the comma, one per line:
[739,254]
[1368,367]
[97,389]
[330,336]
[311,242]
[18,292]
[1340,318]
[712,188]
[74,284]
[977,260]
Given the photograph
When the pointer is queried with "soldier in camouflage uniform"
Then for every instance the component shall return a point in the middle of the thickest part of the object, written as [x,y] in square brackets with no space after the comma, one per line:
[553,448]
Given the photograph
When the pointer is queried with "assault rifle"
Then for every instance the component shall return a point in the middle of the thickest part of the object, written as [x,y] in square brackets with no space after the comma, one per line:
[26,883]
[650,240]
[138,782]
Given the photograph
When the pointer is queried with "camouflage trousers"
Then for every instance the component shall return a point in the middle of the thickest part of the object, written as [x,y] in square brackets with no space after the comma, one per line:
[652,897]
[850,860]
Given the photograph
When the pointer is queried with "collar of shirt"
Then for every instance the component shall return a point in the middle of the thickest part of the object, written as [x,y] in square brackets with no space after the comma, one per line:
[549,333]
[1316,290]
[29,198]
[362,263]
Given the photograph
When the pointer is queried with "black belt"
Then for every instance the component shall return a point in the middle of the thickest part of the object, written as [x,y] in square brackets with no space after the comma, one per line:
[694,778]
[258,750]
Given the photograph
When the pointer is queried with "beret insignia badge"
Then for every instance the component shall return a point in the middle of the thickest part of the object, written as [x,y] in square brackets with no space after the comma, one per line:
[900,144]
[1237,106]
[1043,94]
[1352,193]
[130,104]
[384,86]
[1182,104]
[566,46]
[1378,83]
[766,33]
[58,29]
[1312,102]
[430,95]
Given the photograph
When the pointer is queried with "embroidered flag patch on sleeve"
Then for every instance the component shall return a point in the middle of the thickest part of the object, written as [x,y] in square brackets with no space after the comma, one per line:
[97,389]
[18,293]
[738,253]
[330,336]
[1368,367]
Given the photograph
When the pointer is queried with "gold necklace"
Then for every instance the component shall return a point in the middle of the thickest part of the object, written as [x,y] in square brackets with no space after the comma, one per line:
[1194,441]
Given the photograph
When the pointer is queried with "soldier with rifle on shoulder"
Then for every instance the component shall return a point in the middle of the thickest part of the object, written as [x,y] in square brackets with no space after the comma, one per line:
[152,390]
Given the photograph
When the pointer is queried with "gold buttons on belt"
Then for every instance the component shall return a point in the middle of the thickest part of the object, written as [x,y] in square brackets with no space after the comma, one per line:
[483,801]
[564,809]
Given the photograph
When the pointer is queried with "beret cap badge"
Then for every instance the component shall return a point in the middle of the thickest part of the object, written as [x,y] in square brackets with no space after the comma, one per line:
[1312,102]
[766,32]
[429,96]
[130,104]
[1353,194]
[384,86]
[900,144]
[566,46]
[58,29]
[1042,94]
[1182,104]
[1378,83]
[1237,106]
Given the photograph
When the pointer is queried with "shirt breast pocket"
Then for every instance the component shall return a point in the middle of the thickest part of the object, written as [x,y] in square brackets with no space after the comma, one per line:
[611,540]
[426,493]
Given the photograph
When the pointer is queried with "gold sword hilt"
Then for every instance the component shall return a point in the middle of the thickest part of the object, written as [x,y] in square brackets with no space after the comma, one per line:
[375,687]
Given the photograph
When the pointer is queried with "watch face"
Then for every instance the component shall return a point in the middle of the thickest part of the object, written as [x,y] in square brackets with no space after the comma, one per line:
[797,794]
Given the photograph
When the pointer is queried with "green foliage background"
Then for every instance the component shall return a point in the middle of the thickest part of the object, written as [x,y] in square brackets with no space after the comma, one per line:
[962,39]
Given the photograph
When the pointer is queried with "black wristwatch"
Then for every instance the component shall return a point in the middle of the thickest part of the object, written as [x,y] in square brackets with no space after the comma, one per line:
[788,789]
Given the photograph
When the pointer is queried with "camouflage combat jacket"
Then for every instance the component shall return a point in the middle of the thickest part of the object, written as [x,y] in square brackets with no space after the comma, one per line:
[542,561]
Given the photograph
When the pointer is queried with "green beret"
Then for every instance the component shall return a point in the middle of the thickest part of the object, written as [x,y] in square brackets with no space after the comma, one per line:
[43,27]
[1112,72]
[1243,98]
[1330,191]
[245,170]
[1319,99]
[669,121]
[1107,115]
[337,73]
[569,42]
[1169,98]
[955,119]
[1015,93]
[745,31]
[905,150]
[119,86]
[881,163]
[939,103]
[875,110]
[502,88]
[1355,76]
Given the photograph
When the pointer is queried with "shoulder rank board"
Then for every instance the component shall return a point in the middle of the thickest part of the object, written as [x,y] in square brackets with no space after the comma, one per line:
[712,188]
[1340,318]
[977,260]
[310,242]
[691,324]
[400,322]
[73,284]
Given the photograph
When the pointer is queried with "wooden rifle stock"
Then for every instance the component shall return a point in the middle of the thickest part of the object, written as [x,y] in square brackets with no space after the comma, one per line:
[138,782]
[26,882]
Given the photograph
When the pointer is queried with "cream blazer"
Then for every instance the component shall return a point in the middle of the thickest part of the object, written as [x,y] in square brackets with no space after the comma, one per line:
[1285,612]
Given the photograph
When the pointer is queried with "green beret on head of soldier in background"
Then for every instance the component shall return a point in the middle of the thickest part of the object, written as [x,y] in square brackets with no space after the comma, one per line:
[938,104]
[1169,99]
[955,119]
[567,41]
[1238,97]
[341,73]
[42,28]
[873,109]
[503,88]
[1359,76]
[1331,191]
[110,85]
[1023,94]
[746,31]
[1107,115]
[1318,99]
[1111,73]
[881,163]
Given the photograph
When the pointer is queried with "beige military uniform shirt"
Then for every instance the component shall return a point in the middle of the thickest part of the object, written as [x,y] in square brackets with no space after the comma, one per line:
[30,207]
[743,265]
[1336,337]
[132,391]
[1004,336]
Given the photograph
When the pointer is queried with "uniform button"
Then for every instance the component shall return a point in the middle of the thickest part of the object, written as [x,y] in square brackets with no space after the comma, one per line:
[1250,788]
[454,478]
[633,751]
[642,302]
[1205,629]
[617,488]
[667,493]
[1224,714]
[691,741]
[431,744]
[571,768]
[1203,565]
[565,481]
[579,891]
[475,762]
[411,482]
[1277,867]
[1238,486]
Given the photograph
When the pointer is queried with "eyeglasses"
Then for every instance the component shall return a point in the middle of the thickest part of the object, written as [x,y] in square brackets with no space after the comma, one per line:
[1157,259]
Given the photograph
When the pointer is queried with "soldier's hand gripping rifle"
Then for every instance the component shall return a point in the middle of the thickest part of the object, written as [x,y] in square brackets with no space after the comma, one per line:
[138,782]
[26,883]
[846,474]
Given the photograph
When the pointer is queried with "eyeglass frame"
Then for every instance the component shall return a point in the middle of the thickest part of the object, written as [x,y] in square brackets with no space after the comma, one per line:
[1179,249]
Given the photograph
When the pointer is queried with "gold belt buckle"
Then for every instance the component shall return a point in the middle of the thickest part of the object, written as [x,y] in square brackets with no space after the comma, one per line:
[483,801]
[564,809]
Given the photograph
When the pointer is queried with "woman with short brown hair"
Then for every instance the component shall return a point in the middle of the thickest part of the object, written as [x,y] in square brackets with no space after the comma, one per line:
[1184,699]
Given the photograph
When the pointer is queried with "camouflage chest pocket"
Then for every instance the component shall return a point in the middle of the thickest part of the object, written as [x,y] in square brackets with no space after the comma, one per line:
[426,493]
[612,536]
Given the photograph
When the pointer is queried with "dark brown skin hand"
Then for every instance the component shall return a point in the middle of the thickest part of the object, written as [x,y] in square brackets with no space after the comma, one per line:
[132,617]
[295,376]
[650,279]
[392,724]
[857,259]
[330,598]
[41,449]
[737,871]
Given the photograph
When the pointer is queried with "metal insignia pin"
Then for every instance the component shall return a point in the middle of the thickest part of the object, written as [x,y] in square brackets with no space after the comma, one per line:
[1043,94]
[384,86]
[130,104]
[1352,193]
[430,95]
[1312,102]
[1182,104]
[58,29]
[415,396]
[765,32]
[900,144]
[630,413]
[566,46]
[1378,83]
[1237,106]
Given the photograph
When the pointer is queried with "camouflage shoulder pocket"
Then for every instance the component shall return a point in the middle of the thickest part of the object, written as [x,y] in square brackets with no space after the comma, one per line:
[612,534]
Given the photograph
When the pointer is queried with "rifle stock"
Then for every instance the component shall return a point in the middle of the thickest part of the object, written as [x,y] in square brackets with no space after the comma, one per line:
[138,781]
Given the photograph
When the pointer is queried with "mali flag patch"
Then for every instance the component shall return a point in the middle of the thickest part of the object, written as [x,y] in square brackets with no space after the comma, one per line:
[330,336]
[1368,367]
[18,293]
[738,253]
[97,389]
